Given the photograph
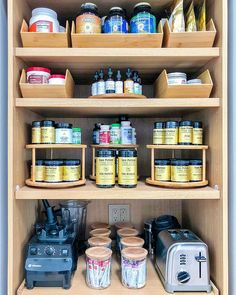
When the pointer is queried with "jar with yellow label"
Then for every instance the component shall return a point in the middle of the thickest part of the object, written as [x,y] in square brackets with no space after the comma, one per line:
[39,171]
[36,132]
[48,132]
[195,170]
[197,133]
[127,168]
[171,132]
[162,170]
[185,132]
[71,170]
[159,133]
[105,168]
[179,170]
[53,171]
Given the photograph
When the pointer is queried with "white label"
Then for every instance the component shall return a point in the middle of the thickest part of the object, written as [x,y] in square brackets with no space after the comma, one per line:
[136,88]
[140,89]
[110,86]
[63,135]
[101,87]
[126,135]
[129,86]
[94,88]
[119,87]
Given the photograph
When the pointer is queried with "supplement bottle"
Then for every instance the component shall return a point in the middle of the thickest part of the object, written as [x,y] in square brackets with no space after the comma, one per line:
[101,85]
[115,22]
[53,171]
[71,170]
[63,133]
[140,86]
[36,132]
[44,20]
[39,171]
[195,170]
[179,170]
[47,131]
[197,133]
[110,83]
[94,87]
[96,130]
[88,21]
[172,132]
[136,83]
[127,168]
[159,133]
[126,132]
[129,83]
[105,168]
[185,132]
[76,135]
[119,85]
[162,170]
[115,137]
[104,134]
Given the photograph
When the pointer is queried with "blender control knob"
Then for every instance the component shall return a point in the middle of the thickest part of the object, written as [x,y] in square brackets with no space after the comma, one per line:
[49,251]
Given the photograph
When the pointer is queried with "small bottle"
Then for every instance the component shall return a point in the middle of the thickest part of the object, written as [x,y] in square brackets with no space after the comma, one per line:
[101,84]
[110,83]
[140,86]
[136,83]
[126,132]
[96,130]
[95,84]
[134,140]
[119,85]
[129,83]
[123,118]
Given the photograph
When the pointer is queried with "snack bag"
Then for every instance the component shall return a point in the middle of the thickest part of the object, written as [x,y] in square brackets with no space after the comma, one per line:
[191,25]
[201,16]
[177,17]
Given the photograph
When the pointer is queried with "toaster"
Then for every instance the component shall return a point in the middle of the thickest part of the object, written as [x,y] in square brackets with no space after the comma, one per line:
[182,261]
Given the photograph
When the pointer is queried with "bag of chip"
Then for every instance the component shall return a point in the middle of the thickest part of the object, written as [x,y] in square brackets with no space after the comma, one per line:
[191,25]
[201,16]
[177,17]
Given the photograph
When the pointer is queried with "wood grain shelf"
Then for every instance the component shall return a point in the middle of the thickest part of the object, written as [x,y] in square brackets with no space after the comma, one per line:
[56,146]
[114,146]
[153,286]
[141,192]
[176,147]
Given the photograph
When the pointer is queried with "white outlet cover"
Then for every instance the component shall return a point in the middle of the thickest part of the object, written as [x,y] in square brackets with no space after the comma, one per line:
[119,213]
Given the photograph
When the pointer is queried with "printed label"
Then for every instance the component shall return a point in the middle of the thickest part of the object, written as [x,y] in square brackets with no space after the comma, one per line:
[47,135]
[42,26]
[143,23]
[88,24]
[180,173]
[197,136]
[105,171]
[158,136]
[126,135]
[53,173]
[127,171]
[101,87]
[63,135]
[115,25]
[115,136]
[171,136]
[37,79]
[104,137]
[39,173]
[96,137]
[71,173]
[94,88]
[36,135]
[119,87]
[136,88]
[129,86]
[162,173]
[195,172]
[76,137]
[110,86]
[186,134]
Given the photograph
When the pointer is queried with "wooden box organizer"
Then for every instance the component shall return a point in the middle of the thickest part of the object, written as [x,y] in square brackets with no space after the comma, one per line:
[117,40]
[197,39]
[47,90]
[168,184]
[109,146]
[31,181]
[38,39]
[163,90]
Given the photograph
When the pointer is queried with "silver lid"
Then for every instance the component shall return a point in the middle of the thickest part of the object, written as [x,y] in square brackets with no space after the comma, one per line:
[194,81]
[117,8]
[177,75]
[142,3]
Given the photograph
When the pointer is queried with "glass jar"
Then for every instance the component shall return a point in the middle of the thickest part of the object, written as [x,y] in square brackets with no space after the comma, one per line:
[39,171]
[98,267]
[76,135]
[134,267]
[127,168]
[162,170]
[197,133]
[48,132]
[159,133]
[100,232]
[185,132]
[131,242]
[88,21]
[71,170]
[63,133]
[53,171]
[124,233]
[179,170]
[115,22]
[104,134]
[105,168]
[143,21]
[97,225]
[195,170]
[100,242]
[177,78]
[172,132]
[36,132]
[115,136]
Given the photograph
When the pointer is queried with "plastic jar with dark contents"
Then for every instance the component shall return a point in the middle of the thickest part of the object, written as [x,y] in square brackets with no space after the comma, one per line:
[48,132]
[127,168]
[197,133]
[53,171]
[195,170]
[172,132]
[36,132]
[39,171]
[162,170]
[185,132]
[88,21]
[159,133]
[105,168]
[71,170]
[179,170]
[115,22]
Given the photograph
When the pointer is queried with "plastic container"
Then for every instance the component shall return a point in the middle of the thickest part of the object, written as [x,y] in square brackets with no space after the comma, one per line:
[37,75]
[179,170]
[63,133]
[57,79]
[115,133]
[72,170]
[105,168]
[177,78]
[88,21]
[53,171]
[131,242]
[36,132]
[127,168]
[76,135]
[115,22]
[97,225]
[162,171]
[104,134]
[195,170]
[39,171]
[98,267]
[194,82]
[172,132]
[100,232]
[185,132]
[126,132]
[100,242]
[134,267]
[44,20]
[47,132]
[197,133]
[159,133]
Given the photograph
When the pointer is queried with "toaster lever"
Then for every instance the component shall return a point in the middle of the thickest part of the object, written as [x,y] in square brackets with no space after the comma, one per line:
[200,259]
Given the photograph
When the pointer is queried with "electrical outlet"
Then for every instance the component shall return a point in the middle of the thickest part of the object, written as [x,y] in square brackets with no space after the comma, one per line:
[119,213]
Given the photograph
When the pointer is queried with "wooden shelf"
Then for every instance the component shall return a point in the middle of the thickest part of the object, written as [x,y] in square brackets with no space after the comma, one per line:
[176,147]
[84,107]
[141,192]
[114,146]
[56,146]
[153,286]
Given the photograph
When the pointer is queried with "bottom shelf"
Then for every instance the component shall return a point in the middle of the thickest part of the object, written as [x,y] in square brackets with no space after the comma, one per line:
[153,286]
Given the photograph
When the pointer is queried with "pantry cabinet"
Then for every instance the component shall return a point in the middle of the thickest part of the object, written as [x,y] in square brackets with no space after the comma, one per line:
[203,210]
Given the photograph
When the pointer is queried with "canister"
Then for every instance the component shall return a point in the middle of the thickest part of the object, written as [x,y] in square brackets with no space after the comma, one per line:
[134,267]
[179,170]
[53,171]
[105,168]
[57,79]
[36,132]
[124,233]
[197,133]
[127,168]
[100,232]
[44,20]
[100,242]
[104,134]
[194,82]
[63,133]
[115,135]
[185,132]
[96,225]
[71,171]
[37,75]
[39,171]
[177,78]
[120,225]
[88,21]
[171,132]
[76,135]
[159,133]
[131,242]
[115,22]
[48,132]
[162,170]
[195,170]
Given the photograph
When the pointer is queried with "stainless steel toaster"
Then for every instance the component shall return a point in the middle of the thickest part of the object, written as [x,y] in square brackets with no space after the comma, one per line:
[182,261]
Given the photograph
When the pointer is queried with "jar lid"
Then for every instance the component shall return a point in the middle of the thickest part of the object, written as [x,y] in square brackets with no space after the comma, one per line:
[194,81]
[39,162]
[142,4]
[159,125]
[120,225]
[76,129]
[38,69]
[47,123]
[172,124]
[99,253]
[103,232]
[36,124]
[127,232]
[197,124]
[44,10]
[116,8]
[195,162]
[53,162]
[105,153]
[57,76]
[89,5]
[125,123]
[63,125]
[127,153]
[177,162]
[134,253]
[177,75]
[186,123]
[117,125]
[162,162]
[99,241]
[72,162]
[132,242]
[97,225]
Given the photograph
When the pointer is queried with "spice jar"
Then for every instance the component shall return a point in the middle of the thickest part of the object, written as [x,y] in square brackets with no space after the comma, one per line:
[39,171]
[63,133]
[38,75]
[47,131]
[131,242]
[71,170]
[115,136]
[134,267]
[98,267]
[100,242]
[53,171]
[179,170]
[76,135]
[36,132]
[185,132]
[195,170]
[159,133]
[105,168]
[171,132]
[127,168]
[124,233]
[104,134]
[100,232]
[115,22]
[177,78]
[57,79]
[88,21]
[197,133]
[96,225]
[162,171]
[44,20]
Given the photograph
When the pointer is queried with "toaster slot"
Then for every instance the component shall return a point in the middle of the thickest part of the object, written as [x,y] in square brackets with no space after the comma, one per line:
[189,235]
[175,234]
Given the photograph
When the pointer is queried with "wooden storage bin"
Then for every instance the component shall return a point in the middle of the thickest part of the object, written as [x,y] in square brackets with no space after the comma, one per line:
[47,90]
[117,40]
[163,90]
[189,39]
[37,39]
